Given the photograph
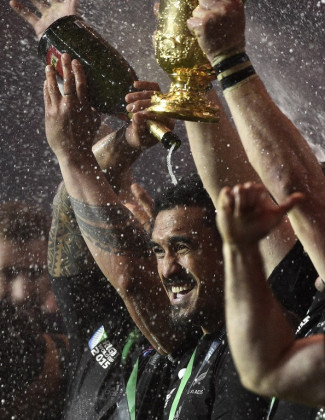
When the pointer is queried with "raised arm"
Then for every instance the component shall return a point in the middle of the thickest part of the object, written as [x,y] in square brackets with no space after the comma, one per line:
[218,153]
[118,243]
[49,12]
[221,160]
[275,148]
[269,360]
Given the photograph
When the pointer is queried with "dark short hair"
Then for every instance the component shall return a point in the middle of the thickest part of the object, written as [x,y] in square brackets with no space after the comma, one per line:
[189,191]
[23,222]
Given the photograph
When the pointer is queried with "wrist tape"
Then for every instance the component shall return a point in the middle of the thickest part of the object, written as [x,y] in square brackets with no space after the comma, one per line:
[233,69]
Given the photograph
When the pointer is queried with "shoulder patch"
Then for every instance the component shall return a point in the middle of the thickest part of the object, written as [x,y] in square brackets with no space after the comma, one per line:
[99,336]
[103,351]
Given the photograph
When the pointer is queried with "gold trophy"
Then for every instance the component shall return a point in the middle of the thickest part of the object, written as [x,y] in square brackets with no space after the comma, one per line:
[179,55]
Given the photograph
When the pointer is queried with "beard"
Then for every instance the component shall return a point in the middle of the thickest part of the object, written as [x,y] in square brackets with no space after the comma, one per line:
[186,325]
[184,320]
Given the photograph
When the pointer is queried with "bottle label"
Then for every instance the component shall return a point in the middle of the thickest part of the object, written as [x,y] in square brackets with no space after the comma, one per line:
[53,57]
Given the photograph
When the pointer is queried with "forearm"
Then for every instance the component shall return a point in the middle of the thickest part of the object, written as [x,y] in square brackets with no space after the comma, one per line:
[251,314]
[97,208]
[68,254]
[222,161]
[120,247]
[269,360]
[218,153]
[275,147]
[283,160]
[115,157]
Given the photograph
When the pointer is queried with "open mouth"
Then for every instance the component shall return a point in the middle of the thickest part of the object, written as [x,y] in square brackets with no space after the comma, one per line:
[182,290]
[178,293]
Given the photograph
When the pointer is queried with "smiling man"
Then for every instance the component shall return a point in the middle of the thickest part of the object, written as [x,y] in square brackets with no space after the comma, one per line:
[188,251]
[203,382]
[188,372]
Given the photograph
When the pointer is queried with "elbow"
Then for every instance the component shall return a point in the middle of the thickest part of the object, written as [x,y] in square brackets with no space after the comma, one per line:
[259,383]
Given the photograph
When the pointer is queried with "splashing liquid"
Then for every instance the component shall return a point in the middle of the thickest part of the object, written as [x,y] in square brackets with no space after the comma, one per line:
[169,164]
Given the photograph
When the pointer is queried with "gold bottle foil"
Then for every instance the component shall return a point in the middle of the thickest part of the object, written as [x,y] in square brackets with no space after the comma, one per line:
[179,55]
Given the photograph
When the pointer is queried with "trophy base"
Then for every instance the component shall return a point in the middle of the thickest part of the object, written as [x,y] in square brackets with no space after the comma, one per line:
[181,109]
[186,99]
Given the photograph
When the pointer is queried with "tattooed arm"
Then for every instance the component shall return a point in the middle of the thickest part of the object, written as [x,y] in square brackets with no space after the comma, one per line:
[117,242]
[68,253]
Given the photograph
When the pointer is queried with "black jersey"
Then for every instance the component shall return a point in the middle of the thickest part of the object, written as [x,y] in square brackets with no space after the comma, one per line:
[99,329]
[313,323]
[212,391]
[293,281]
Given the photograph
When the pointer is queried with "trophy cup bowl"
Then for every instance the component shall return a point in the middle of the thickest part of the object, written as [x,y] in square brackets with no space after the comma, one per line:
[179,55]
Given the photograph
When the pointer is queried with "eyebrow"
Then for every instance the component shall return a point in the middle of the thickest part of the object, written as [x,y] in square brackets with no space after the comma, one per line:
[153,244]
[173,240]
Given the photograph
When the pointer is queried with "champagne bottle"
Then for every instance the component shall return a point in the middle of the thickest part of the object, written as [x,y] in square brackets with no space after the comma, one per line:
[109,75]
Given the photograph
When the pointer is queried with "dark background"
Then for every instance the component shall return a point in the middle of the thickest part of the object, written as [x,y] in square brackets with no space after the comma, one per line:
[286,41]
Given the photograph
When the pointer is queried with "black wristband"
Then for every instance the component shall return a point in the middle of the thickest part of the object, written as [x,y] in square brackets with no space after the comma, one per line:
[230,62]
[233,79]
[233,70]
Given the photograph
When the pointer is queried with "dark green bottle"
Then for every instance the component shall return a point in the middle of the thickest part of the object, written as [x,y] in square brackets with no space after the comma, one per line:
[109,75]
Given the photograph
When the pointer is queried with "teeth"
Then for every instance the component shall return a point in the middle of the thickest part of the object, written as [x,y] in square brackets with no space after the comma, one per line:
[179,289]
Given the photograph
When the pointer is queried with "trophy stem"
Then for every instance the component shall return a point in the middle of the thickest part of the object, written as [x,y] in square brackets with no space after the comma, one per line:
[186,99]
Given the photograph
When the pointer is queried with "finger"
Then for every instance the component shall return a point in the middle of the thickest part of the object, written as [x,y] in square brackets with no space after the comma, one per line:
[226,200]
[193,24]
[292,201]
[146,85]
[73,7]
[143,198]
[240,195]
[139,125]
[69,83]
[138,96]
[41,6]
[209,4]
[47,98]
[137,106]
[156,9]
[142,117]
[140,216]
[24,12]
[52,85]
[80,81]
[252,194]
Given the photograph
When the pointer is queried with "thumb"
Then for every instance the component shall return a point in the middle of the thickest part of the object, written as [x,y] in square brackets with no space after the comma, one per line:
[143,198]
[193,23]
[292,201]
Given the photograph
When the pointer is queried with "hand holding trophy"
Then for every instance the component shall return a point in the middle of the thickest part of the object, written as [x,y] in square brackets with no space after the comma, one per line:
[179,54]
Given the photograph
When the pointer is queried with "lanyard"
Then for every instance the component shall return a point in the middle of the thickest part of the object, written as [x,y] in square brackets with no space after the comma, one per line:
[130,390]
[213,347]
[181,387]
[132,382]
